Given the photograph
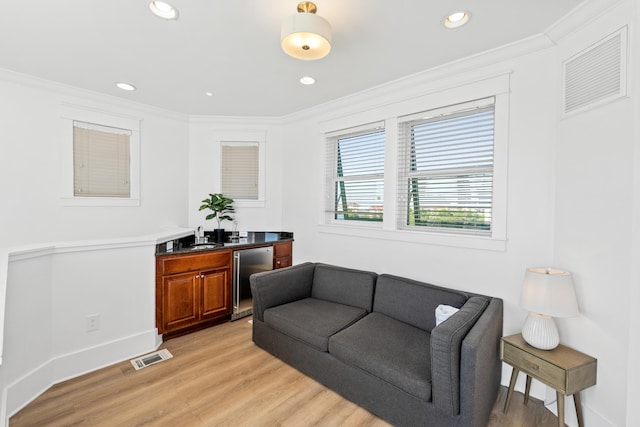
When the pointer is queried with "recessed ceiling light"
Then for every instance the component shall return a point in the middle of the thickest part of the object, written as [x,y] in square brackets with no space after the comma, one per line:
[307,80]
[456,19]
[163,10]
[209,93]
[125,86]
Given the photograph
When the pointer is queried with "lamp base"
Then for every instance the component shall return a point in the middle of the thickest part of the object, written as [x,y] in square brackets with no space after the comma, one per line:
[540,331]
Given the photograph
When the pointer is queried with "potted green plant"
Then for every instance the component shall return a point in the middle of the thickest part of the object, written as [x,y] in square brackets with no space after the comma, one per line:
[221,207]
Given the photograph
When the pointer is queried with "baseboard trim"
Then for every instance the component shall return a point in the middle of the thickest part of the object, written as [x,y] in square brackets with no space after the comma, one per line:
[23,391]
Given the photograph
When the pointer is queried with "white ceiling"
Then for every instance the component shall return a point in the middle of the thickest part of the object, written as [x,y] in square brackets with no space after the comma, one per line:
[232,47]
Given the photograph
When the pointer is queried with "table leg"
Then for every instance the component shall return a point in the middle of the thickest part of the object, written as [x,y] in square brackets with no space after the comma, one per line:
[578,403]
[512,384]
[527,387]
[560,398]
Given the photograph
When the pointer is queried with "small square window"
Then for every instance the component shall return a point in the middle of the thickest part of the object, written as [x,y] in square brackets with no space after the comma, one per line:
[101,161]
[100,158]
[240,170]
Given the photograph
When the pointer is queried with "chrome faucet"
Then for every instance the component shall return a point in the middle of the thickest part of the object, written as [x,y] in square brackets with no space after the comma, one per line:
[199,234]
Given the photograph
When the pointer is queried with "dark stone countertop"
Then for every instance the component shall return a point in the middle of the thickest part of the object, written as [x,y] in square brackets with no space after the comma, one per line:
[185,245]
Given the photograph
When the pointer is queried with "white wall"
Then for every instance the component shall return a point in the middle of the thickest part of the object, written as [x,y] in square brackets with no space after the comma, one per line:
[33,133]
[551,218]
[50,293]
[60,264]
[596,203]
[633,368]
[28,333]
[530,193]
[572,200]
[204,170]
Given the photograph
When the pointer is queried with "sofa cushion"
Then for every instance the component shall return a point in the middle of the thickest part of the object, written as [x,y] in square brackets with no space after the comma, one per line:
[391,350]
[344,286]
[281,286]
[413,302]
[312,320]
[446,343]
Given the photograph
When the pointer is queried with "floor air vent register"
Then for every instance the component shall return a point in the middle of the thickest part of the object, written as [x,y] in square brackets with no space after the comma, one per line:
[151,359]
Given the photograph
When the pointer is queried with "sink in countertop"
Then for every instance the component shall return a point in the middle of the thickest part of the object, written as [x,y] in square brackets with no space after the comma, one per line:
[205,246]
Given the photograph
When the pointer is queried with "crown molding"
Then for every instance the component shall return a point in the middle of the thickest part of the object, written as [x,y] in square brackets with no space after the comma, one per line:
[65,91]
[438,78]
[581,15]
[235,120]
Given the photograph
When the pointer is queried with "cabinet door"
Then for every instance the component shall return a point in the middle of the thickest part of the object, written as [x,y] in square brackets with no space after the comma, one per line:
[215,295]
[180,301]
[282,255]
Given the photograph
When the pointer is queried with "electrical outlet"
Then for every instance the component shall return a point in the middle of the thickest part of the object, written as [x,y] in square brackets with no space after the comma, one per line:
[93,322]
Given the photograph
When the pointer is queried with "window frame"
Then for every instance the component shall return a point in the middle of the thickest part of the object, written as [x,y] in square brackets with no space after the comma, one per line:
[453,92]
[331,174]
[71,113]
[86,143]
[239,137]
[224,144]
[406,143]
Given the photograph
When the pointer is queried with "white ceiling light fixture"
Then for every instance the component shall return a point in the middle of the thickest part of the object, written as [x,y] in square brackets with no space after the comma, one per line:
[126,86]
[457,19]
[164,10]
[307,80]
[306,35]
[209,93]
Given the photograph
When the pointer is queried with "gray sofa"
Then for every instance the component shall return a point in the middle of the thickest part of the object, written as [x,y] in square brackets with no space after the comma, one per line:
[372,338]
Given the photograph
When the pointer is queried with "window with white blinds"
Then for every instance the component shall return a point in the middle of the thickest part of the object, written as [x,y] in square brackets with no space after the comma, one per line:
[356,174]
[240,170]
[101,161]
[446,169]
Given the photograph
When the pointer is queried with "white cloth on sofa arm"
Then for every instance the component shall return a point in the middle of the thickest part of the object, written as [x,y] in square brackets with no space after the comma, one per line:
[443,312]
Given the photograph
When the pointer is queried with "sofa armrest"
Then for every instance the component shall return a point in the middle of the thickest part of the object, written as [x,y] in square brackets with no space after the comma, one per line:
[281,286]
[446,348]
[480,367]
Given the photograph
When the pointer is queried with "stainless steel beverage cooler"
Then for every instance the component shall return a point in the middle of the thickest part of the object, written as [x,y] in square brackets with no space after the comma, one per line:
[245,263]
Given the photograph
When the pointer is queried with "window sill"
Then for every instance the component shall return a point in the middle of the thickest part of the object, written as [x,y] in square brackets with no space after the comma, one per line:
[419,237]
[99,201]
[240,203]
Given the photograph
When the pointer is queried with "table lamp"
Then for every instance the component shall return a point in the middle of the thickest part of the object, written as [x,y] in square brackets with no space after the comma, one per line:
[546,293]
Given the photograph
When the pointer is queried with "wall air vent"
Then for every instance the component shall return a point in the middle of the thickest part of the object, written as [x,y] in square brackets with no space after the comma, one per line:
[151,358]
[596,75]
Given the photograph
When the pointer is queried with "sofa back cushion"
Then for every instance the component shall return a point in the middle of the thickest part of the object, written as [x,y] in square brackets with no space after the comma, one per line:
[413,302]
[344,286]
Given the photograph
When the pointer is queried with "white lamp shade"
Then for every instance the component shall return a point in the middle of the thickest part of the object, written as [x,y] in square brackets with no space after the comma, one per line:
[306,36]
[550,292]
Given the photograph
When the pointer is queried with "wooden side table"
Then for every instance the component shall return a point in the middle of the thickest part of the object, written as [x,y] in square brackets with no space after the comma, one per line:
[566,370]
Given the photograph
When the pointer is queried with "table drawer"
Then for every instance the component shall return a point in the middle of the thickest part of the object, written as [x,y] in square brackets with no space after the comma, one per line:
[549,373]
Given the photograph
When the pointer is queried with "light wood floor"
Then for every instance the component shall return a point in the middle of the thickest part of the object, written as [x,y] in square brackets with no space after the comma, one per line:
[218,377]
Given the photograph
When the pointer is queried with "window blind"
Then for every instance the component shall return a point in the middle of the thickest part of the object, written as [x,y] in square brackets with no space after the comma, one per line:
[240,170]
[356,175]
[446,169]
[101,160]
